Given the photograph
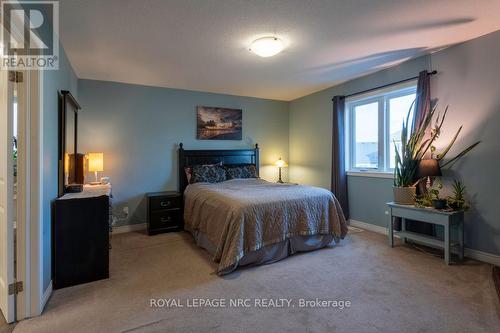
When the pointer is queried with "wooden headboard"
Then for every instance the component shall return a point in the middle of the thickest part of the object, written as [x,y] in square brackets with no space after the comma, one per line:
[226,156]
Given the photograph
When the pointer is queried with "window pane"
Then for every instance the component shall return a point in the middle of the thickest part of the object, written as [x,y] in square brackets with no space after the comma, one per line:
[399,108]
[366,136]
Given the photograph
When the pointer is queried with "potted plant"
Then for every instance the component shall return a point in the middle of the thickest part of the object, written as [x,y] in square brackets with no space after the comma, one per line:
[436,200]
[431,197]
[414,146]
[407,160]
[457,200]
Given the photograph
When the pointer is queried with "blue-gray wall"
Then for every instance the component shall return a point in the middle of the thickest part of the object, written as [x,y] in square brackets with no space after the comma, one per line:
[468,81]
[53,81]
[311,142]
[138,129]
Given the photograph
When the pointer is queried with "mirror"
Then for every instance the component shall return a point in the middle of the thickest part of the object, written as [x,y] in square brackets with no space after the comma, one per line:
[69,146]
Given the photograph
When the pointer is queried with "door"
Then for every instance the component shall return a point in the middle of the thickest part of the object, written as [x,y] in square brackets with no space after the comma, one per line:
[7,305]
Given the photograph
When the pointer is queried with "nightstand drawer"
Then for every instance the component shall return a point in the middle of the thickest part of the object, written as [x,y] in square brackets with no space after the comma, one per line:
[165,219]
[159,203]
[164,212]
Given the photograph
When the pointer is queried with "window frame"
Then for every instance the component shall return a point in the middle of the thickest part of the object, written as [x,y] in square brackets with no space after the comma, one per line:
[382,96]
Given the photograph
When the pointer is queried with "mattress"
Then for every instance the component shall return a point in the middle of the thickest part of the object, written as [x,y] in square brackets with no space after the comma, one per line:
[249,221]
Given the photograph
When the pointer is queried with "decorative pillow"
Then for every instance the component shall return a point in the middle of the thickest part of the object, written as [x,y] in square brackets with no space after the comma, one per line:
[207,174]
[241,171]
[189,170]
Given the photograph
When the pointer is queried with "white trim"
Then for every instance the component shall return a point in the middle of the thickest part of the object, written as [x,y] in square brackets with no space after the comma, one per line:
[129,228]
[368,226]
[469,253]
[46,295]
[23,205]
[36,223]
[482,256]
[7,269]
[371,174]
[37,261]
[30,194]
[381,97]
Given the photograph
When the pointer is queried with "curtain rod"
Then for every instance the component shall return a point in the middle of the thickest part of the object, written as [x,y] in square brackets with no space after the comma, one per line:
[388,85]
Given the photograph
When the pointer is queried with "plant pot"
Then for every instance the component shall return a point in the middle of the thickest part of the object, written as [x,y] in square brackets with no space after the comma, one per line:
[404,195]
[457,205]
[439,203]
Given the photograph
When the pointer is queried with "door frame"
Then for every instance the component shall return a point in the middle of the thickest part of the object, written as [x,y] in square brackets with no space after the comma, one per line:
[31,301]
[6,100]
[39,296]
[29,243]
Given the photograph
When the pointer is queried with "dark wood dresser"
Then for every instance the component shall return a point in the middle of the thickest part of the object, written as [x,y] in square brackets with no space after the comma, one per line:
[164,212]
[80,236]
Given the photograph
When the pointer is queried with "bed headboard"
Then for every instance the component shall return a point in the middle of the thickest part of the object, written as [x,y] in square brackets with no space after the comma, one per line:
[226,156]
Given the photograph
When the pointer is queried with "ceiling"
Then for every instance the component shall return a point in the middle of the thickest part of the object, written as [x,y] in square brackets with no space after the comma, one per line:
[203,45]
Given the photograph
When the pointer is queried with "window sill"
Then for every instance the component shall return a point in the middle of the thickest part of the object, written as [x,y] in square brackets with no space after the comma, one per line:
[388,175]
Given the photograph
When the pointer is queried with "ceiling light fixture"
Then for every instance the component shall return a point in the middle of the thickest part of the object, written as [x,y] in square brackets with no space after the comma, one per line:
[267,46]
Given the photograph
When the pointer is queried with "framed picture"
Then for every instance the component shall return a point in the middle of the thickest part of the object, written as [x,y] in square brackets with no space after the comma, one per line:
[218,123]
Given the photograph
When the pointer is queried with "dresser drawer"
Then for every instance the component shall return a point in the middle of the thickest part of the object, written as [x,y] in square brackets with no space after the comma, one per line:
[165,219]
[160,203]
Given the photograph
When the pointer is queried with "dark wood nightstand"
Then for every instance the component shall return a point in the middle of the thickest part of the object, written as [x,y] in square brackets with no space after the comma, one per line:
[164,212]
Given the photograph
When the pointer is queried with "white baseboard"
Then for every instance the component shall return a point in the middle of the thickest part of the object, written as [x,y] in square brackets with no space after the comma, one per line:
[368,226]
[46,296]
[129,228]
[482,256]
[469,253]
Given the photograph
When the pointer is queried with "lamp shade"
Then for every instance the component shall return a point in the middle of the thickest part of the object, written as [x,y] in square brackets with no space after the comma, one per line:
[429,168]
[96,162]
[66,163]
[280,163]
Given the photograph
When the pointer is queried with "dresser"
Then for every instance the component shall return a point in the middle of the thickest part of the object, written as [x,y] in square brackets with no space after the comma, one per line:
[80,236]
[164,212]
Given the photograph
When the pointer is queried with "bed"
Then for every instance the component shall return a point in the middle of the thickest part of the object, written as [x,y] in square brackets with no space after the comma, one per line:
[251,221]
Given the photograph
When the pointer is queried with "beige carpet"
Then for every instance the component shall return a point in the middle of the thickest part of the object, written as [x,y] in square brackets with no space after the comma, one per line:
[4,327]
[390,290]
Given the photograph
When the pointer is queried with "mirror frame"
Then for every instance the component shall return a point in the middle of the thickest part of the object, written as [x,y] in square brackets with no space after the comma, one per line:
[65,97]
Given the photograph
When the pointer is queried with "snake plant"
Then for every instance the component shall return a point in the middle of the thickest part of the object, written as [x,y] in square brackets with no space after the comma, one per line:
[415,145]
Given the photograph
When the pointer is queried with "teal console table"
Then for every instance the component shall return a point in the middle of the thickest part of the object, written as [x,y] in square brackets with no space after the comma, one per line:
[428,215]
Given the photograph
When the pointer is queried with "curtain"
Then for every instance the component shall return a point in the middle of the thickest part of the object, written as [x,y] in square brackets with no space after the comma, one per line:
[339,176]
[422,107]
[423,101]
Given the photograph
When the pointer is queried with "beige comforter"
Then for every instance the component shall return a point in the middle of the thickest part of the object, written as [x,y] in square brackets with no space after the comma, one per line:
[243,215]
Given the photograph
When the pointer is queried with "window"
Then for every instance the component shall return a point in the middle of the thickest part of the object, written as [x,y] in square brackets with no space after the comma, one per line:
[373,127]
[365,133]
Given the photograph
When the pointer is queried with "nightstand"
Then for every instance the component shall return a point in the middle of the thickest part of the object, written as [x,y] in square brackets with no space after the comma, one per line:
[164,212]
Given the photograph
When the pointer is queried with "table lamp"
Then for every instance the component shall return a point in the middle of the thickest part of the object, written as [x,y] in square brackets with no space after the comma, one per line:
[428,168]
[96,164]
[280,164]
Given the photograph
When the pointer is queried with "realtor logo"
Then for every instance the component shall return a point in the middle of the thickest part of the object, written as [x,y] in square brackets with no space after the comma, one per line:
[30,35]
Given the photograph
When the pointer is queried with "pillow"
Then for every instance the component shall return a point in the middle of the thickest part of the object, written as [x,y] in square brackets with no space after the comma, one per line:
[189,169]
[241,171]
[207,174]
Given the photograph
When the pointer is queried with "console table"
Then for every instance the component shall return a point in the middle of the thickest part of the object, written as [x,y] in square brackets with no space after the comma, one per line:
[428,215]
